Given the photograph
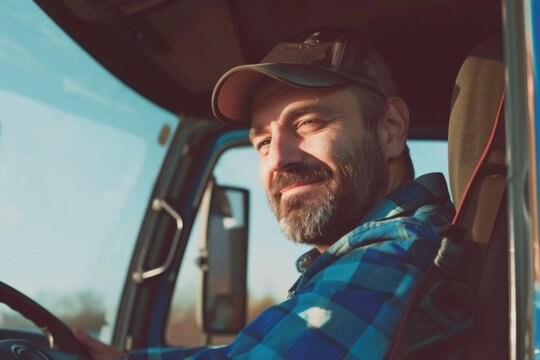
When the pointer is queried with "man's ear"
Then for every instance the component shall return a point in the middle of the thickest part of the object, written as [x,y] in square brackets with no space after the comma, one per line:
[394,127]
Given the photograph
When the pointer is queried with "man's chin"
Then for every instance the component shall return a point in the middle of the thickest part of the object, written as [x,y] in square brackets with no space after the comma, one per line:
[306,221]
[306,236]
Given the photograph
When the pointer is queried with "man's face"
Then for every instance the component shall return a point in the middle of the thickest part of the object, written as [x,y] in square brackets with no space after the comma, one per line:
[320,167]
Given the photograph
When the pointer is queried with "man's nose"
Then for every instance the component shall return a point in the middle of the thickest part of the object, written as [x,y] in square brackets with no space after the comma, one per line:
[284,151]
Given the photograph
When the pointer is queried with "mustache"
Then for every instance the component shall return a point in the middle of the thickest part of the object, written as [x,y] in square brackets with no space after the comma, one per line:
[299,173]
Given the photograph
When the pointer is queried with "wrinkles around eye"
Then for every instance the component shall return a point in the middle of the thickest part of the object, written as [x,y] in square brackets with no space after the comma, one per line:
[261,144]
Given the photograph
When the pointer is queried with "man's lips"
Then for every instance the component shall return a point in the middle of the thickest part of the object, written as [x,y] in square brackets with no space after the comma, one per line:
[297,185]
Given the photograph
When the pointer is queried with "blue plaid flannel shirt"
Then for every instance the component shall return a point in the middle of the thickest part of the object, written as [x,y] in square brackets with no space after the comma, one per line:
[349,300]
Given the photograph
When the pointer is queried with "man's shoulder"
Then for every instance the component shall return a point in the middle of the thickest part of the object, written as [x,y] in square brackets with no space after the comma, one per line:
[426,199]
[421,224]
[397,240]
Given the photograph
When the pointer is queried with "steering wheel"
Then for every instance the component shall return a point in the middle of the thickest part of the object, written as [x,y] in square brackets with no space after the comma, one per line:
[59,334]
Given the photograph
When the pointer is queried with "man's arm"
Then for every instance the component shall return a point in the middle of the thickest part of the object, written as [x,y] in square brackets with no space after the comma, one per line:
[98,350]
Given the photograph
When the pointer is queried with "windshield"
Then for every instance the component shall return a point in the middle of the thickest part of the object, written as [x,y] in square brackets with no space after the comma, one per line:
[79,156]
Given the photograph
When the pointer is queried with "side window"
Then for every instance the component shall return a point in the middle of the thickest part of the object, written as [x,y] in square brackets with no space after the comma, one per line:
[429,156]
[79,155]
[271,257]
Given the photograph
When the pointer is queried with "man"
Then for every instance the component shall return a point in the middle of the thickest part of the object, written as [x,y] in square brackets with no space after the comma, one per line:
[330,130]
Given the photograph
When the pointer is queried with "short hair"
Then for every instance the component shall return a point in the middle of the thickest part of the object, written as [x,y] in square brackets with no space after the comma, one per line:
[371,106]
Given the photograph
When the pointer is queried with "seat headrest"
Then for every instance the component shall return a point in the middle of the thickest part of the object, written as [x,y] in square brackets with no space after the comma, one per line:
[476,99]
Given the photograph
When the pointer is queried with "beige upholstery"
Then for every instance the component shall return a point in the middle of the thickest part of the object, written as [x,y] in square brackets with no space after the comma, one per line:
[477,94]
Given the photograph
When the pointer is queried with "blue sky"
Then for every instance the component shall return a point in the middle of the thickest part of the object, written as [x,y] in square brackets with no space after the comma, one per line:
[78,158]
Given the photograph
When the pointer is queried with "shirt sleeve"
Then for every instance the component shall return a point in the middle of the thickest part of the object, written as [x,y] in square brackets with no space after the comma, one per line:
[350,309]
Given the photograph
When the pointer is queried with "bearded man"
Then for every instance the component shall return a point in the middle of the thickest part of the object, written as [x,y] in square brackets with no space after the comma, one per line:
[330,129]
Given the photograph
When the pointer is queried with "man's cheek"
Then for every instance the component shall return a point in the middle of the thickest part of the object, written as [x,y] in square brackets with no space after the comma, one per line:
[264,175]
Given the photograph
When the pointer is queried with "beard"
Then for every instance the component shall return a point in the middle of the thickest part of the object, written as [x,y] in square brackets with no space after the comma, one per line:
[336,206]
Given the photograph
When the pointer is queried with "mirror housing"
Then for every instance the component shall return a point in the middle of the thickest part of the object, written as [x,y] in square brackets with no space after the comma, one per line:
[223,260]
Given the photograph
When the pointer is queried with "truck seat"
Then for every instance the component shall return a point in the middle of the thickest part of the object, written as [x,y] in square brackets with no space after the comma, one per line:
[460,310]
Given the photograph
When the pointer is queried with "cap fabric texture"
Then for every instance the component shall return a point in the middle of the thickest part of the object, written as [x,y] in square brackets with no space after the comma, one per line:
[324,58]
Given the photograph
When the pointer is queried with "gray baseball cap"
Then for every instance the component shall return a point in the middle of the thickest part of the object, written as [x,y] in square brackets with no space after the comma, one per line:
[323,58]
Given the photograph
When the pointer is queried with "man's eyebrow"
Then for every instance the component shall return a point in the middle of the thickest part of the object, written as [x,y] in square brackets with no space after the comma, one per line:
[312,109]
[254,132]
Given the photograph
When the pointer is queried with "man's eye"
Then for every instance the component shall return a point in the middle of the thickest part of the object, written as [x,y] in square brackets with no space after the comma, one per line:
[262,144]
[307,124]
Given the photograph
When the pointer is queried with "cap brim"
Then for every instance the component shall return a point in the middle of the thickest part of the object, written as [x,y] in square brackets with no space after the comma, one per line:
[231,100]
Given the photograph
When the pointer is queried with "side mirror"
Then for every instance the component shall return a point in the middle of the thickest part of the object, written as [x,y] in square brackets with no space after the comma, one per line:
[224,261]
